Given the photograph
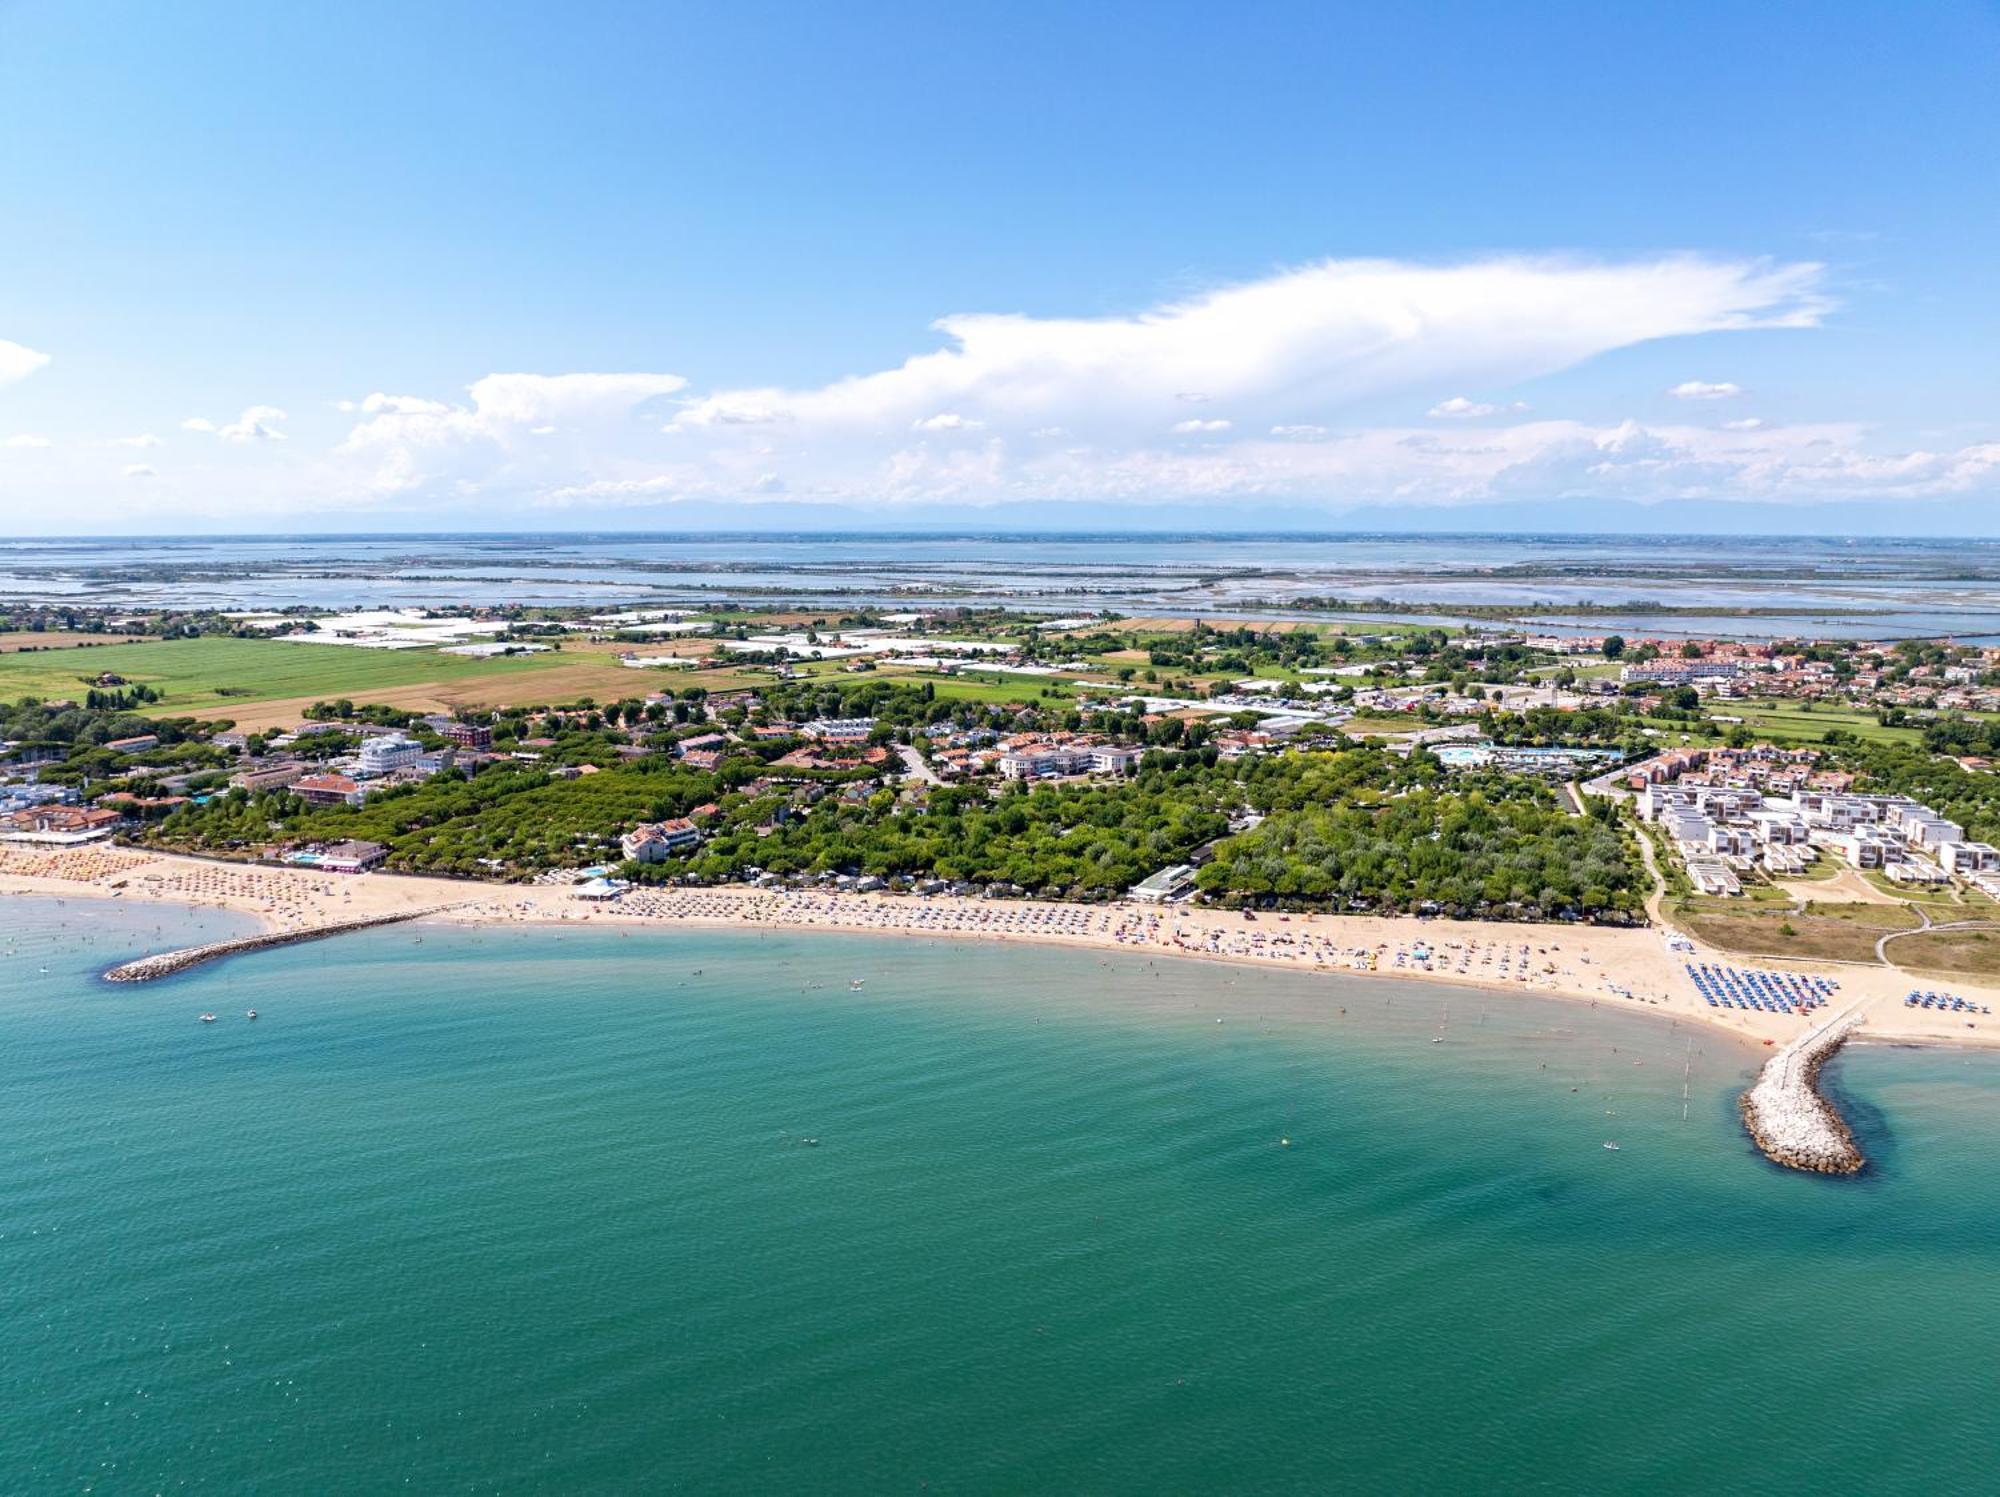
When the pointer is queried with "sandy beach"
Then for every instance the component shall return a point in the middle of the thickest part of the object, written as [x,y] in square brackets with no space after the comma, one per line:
[1626,968]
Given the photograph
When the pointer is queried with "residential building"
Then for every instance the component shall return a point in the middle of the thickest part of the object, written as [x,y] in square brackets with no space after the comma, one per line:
[477,736]
[660,840]
[392,751]
[1045,760]
[328,790]
[262,777]
[1968,857]
[1865,849]
[59,825]
[352,857]
[839,729]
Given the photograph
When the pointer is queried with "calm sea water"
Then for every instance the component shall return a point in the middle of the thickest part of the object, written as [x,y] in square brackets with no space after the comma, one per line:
[529,1211]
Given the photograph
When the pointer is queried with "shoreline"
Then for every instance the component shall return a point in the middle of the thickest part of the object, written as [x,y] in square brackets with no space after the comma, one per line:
[1624,968]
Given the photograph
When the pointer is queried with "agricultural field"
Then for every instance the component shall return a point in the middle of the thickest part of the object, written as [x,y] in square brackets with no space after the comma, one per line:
[1789,722]
[976,688]
[222,677]
[12,640]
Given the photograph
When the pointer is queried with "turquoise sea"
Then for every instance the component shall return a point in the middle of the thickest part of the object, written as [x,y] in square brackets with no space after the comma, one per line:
[532,1211]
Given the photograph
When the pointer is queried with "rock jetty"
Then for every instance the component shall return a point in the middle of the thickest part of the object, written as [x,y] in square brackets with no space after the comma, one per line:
[166,963]
[1787,1117]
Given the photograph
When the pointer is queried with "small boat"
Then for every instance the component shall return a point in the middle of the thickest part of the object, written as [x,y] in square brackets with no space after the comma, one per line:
[251,1014]
[208,1018]
[856,985]
[1611,1146]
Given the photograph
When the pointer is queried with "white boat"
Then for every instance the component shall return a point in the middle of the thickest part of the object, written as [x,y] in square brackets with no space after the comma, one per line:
[1609,1145]
[208,1018]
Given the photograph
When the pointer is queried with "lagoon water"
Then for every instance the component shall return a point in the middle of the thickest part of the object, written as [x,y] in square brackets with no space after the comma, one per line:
[1827,587]
[531,1211]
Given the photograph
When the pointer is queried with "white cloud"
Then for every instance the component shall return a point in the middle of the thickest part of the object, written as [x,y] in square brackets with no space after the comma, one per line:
[1747,423]
[18,362]
[259,423]
[397,405]
[1295,344]
[27,439]
[607,417]
[1701,389]
[1459,408]
[1094,408]
[144,439]
[140,470]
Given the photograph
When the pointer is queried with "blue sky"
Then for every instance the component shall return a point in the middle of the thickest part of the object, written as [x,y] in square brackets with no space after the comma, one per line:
[609,264]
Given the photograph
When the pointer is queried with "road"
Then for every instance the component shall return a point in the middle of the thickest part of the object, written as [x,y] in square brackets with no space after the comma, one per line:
[914,763]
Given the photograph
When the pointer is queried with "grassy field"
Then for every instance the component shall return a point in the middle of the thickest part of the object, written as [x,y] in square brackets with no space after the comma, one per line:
[1950,953]
[193,674]
[1362,725]
[1845,932]
[1788,722]
[981,688]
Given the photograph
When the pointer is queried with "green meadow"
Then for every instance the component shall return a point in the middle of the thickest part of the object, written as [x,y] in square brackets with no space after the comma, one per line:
[197,673]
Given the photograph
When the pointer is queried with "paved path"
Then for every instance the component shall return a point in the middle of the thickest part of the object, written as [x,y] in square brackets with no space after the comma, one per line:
[1886,937]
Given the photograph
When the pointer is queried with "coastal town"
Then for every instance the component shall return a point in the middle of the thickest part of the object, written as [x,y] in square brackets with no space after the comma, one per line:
[1211,771]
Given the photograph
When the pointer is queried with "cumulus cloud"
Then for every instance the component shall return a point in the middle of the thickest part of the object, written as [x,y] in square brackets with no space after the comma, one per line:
[399,405]
[1701,389]
[18,362]
[1051,408]
[140,470]
[1747,423]
[1292,345]
[27,439]
[408,442]
[143,439]
[257,423]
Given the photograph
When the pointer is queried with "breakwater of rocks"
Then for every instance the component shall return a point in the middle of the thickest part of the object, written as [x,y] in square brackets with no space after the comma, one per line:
[1786,1115]
[166,963]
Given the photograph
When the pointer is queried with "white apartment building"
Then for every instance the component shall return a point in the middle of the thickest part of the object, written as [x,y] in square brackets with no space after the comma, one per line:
[1968,857]
[379,756]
